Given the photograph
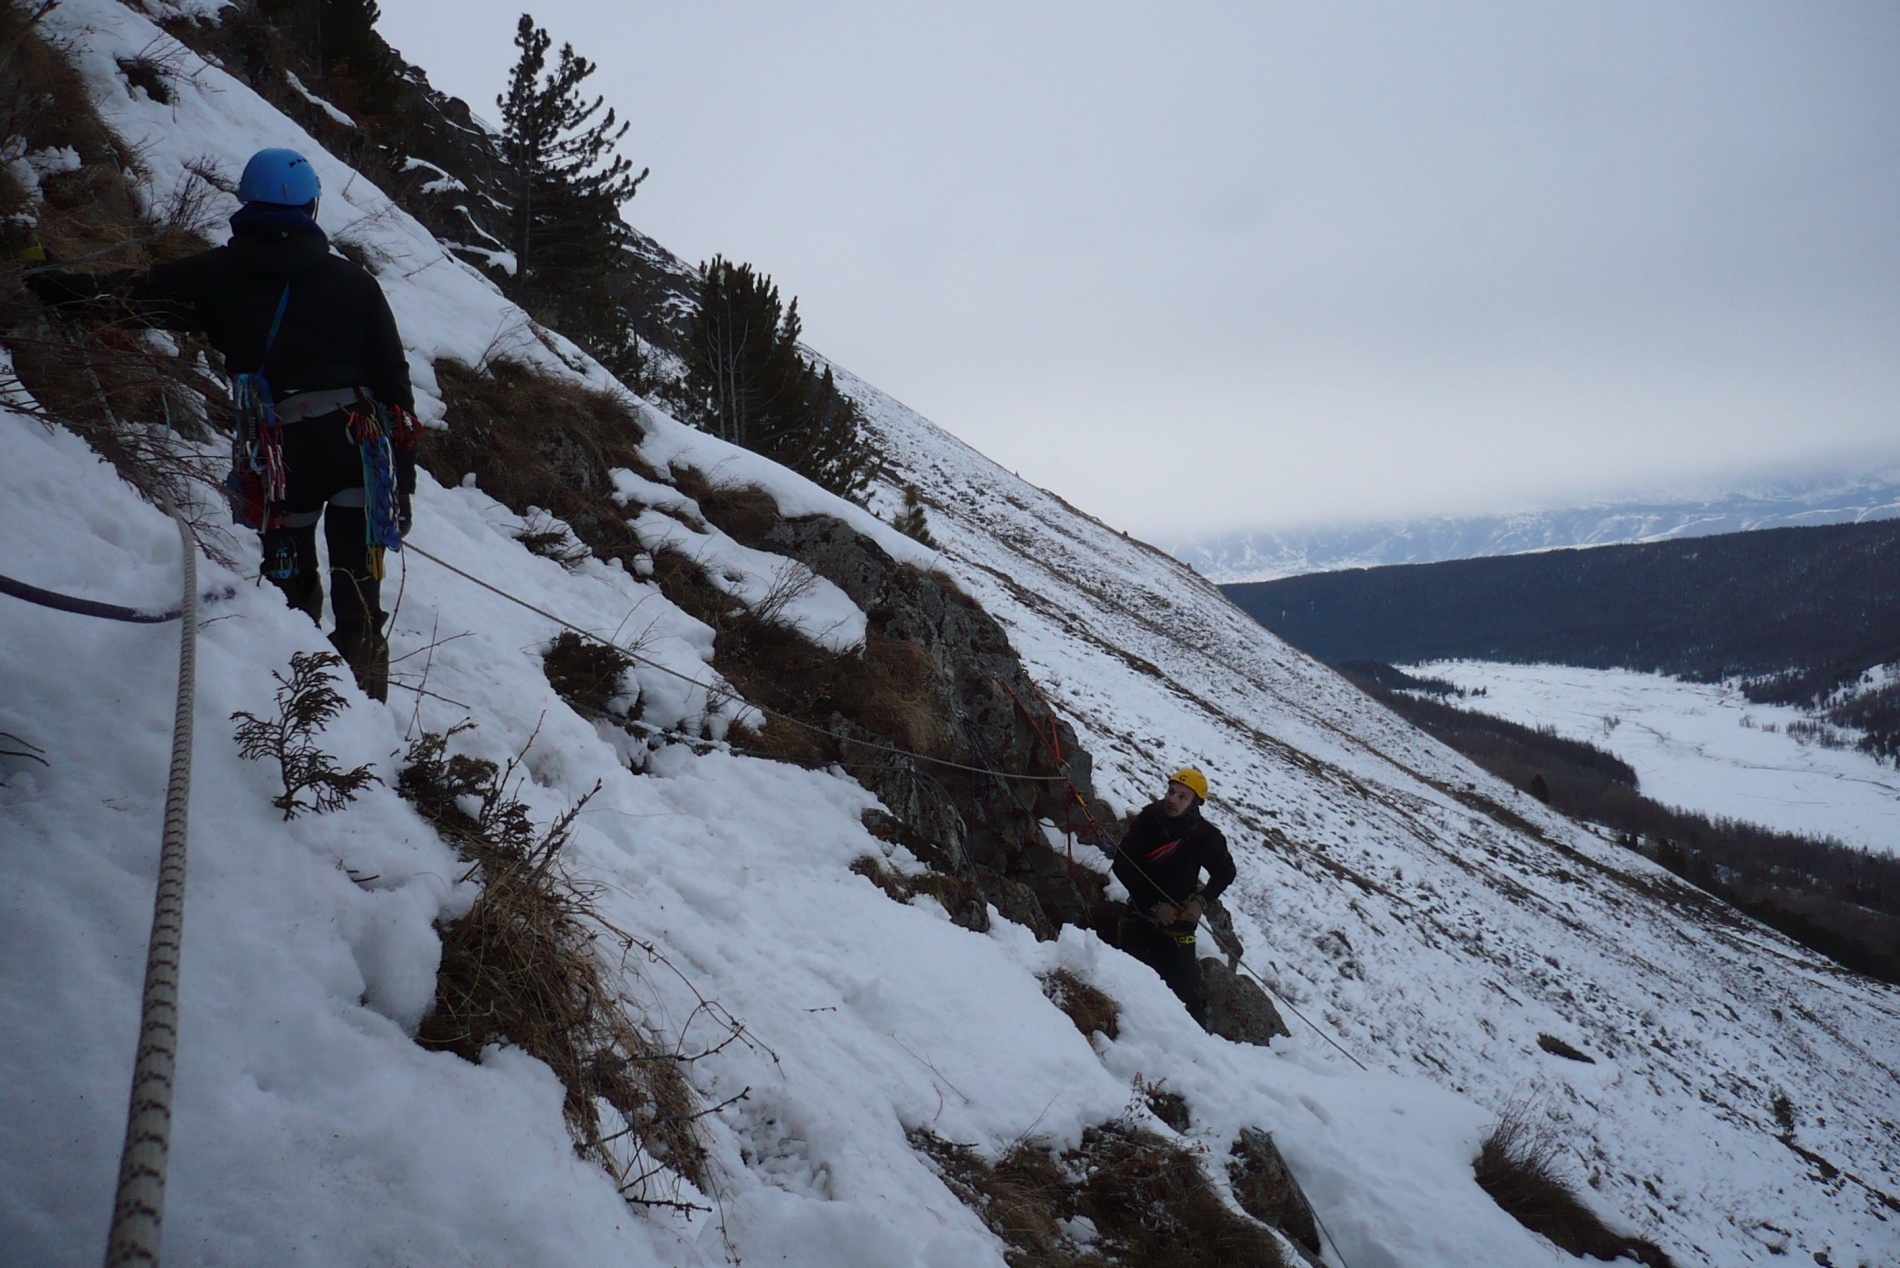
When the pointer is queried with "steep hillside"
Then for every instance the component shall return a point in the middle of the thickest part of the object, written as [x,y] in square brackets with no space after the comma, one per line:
[838,1046]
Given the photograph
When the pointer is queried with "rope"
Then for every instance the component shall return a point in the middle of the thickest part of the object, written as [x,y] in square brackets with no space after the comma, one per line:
[716,689]
[138,1212]
[85,607]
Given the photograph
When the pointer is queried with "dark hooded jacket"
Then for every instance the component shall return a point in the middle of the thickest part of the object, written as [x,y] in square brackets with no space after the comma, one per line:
[1162,858]
[337,330]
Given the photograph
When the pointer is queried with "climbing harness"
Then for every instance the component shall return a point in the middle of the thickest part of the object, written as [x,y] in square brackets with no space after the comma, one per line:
[138,1211]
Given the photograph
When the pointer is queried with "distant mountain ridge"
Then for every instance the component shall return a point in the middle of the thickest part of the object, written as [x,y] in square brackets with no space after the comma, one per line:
[1265,555]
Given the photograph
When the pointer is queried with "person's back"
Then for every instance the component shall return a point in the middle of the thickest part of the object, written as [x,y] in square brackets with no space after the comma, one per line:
[312,336]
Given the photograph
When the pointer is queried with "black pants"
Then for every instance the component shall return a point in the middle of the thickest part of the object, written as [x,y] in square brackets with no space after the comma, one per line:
[1175,960]
[321,462]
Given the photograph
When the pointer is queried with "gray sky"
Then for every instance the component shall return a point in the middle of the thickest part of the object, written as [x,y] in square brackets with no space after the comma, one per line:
[1201,266]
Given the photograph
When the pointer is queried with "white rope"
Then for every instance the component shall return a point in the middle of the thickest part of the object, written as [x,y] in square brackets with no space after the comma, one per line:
[138,1212]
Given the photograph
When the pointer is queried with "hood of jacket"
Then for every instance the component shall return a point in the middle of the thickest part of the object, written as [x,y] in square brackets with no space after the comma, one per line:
[277,240]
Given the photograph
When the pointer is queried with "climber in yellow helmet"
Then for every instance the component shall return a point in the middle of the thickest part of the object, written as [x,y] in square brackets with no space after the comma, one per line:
[1160,861]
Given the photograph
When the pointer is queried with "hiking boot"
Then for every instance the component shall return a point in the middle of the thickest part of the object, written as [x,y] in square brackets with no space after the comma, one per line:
[366,652]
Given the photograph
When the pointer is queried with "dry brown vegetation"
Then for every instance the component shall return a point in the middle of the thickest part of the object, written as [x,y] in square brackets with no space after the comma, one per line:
[585,672]
[523,967]
[533,440]
[1520,1164]
[1147,1199]
[954,892]
[1089,1007]
[114,385]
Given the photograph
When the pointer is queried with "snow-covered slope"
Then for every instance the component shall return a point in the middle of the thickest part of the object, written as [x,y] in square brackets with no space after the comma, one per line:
[1403,900]
[1266,555]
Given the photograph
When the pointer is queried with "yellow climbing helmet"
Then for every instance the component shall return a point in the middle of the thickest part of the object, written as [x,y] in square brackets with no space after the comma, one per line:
[1192,779]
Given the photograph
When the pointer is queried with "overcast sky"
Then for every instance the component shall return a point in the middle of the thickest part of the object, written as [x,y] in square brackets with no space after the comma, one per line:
[1205,266]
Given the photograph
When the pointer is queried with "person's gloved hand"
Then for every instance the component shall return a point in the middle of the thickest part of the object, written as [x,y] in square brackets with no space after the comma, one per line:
[405,514]
[1165,913]
[1191,910]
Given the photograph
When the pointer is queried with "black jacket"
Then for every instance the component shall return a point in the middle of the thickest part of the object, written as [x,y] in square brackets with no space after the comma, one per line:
[1162,858]
[337,330]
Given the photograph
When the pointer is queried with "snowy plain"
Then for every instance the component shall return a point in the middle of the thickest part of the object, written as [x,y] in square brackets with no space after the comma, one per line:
[1701,746]
[1430,920]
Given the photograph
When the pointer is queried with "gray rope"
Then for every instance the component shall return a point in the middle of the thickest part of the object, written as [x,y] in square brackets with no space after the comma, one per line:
[138,1213]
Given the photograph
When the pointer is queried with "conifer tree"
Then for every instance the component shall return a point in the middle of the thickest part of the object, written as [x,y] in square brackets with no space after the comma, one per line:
[570,184]
[911,521]
[747,382]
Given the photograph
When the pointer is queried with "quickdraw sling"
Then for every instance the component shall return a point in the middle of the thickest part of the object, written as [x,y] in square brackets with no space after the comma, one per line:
[256,484]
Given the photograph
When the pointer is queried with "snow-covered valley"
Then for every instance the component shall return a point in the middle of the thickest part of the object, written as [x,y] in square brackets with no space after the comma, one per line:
[1700,746]
[1739,1107]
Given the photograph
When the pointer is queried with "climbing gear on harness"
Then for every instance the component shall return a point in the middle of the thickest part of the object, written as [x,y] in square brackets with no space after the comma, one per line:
[379,432]
[257,483]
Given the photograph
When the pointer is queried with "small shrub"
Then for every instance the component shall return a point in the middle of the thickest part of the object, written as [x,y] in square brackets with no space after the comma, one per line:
[585,672]
[1520,1166]
[521,967]
[912,521]
[1089,1007]
[1558,1048]
[307,702]
[1124,1197]
[1170,1107]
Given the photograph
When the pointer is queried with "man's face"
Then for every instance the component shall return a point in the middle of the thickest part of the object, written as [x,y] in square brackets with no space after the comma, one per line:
[1176,801]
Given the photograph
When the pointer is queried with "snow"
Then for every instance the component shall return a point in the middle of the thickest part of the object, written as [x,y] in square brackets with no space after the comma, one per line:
[1385,890]
[1701,746]
[336,116]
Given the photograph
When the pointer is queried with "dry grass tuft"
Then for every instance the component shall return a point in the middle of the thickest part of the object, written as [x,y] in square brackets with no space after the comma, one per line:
[119,388]
[744,512]
[585,672]
[1558,1048]
[1125,1197]
[522,968]
[1520,1164]
[533,440]
[1089,1007]
[955,893]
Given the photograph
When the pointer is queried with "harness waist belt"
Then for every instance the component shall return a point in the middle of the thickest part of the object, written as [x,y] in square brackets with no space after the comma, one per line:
[302,405]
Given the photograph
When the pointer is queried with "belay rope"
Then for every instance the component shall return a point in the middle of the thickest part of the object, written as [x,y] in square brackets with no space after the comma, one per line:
[138,1210]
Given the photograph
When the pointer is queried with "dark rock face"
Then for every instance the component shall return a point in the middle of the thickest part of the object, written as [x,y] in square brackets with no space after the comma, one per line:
[1237,1008]
[1265,1188]
[984,827]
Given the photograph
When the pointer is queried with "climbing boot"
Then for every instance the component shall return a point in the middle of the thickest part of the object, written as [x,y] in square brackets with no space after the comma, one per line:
[366,652]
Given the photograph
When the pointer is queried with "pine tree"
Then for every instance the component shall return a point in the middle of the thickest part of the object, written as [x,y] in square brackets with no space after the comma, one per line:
[566,230]
[747,382]
[911,521]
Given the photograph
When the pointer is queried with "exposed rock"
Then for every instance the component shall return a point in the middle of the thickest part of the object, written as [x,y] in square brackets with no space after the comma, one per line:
[1237,1008]
[1265,1188]
[960,821]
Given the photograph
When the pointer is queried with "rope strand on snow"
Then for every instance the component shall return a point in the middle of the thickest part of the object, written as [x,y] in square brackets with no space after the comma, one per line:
[715,689]
[87,607]
[138,1212]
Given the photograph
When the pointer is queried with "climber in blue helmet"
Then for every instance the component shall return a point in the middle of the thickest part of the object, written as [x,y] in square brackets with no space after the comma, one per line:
[314,330]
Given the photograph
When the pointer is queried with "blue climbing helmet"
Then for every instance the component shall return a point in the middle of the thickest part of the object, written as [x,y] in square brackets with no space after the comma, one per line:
[283,178]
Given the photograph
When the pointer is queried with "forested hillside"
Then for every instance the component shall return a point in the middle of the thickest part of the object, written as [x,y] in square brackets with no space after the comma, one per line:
[1802,614]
